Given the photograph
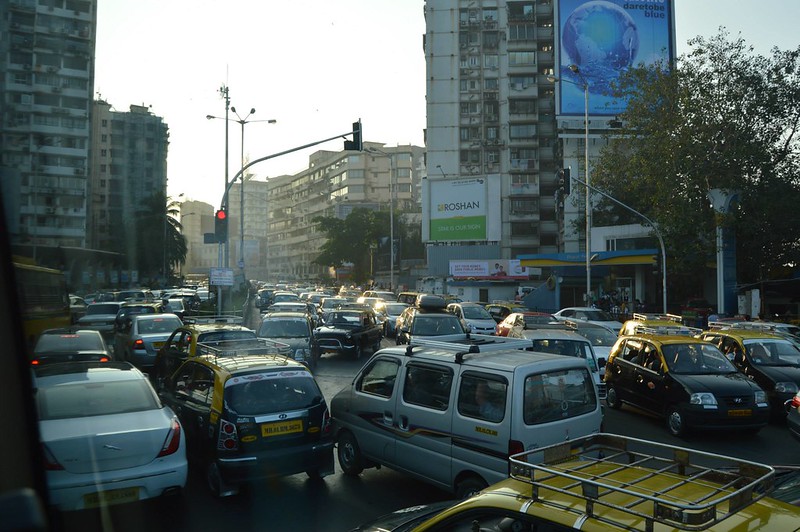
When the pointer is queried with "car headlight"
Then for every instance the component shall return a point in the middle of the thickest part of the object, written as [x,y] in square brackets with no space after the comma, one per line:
[348,336]
[761,398]
[703,398]
[786,387]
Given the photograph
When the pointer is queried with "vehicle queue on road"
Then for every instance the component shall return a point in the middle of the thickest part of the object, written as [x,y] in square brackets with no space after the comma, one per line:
[636,346]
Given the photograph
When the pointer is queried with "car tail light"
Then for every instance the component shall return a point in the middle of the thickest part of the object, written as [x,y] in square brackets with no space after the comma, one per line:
[796,401]
[104,359]
[228,439]
[50,462]
[173,440]
[35,362]
[138,344]
[515,447]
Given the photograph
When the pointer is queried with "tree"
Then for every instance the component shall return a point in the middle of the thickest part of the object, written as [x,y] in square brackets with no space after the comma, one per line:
[159,243]
[349,240]
[720,117]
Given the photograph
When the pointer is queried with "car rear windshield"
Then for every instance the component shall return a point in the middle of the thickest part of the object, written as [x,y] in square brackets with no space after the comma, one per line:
[558,395]
[284,328]
[49,343]
[158,325]
[102,309]
[95,399]
[268,393]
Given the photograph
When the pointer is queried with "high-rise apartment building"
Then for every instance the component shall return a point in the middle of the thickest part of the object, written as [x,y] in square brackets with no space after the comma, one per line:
[47,49]
[128,166]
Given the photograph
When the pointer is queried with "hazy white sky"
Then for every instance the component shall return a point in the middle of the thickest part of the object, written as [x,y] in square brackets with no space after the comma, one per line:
[315,66]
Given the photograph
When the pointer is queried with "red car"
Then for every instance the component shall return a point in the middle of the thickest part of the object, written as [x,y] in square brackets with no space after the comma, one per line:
[526,320]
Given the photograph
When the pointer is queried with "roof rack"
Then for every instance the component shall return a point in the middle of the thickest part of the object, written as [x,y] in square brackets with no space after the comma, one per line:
[640,478]
[199,320]
[661,317]
[244,346]
[667,330]
[461,344]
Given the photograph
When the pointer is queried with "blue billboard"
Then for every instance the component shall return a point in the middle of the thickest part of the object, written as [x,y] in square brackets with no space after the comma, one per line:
[604,38]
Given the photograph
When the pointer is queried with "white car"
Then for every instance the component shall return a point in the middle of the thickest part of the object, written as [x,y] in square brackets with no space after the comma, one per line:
[474,316]
[590,315]
[106,437]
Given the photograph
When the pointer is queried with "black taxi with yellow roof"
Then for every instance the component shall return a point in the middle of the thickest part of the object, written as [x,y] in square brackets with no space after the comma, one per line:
[249,417]
[687,381]
[770,360]
[639,322]
[608,482]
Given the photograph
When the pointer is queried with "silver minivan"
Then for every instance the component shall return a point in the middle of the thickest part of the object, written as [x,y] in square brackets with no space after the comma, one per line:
[451,414]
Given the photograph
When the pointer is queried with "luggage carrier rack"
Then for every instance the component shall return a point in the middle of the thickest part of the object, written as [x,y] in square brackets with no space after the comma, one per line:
[243,347]
[641,481]
[462,344]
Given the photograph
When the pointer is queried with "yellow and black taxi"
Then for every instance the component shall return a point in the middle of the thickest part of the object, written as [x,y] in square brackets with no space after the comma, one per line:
[769,360]
[182,344]
[251,417]
[500,310]
[687,381]
[607,482]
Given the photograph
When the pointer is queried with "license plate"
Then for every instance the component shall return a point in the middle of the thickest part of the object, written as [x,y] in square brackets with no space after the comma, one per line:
[101,498]
[281,428]
[740,413]
[158,345]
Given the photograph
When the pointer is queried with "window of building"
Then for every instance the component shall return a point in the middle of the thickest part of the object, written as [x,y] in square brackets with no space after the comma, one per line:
[470,108]
[491,110]
[104,123]
[490,14]
[492,156]
[520,11]
[490,61]
[524,228]
[524,205]
[522,107]
[492,132]
[470,133]
[491,84]
[103,168]
[521,82]
[522,131]
[470,156]
[103,153]
[468,85]
[491,39]
[521,32]
[104,138]
[521,58]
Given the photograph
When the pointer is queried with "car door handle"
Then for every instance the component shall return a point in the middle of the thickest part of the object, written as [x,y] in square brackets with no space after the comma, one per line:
[403,424]
[388,418]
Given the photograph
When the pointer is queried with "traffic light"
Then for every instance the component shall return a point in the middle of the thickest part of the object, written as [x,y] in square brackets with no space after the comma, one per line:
[355,144]
[221,225]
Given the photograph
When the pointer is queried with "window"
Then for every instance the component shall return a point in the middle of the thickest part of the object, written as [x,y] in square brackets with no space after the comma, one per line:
[428,386]
[521,32]
[380,378]
[522,131]
[491,84]
[470,156]
[522,107]
[524,228]
[558,395]
[521,58]
[470,133]
[482,396]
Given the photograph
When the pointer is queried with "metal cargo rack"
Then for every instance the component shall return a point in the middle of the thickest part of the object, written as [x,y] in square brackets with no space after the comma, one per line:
[229,319]
[668,330]
[657,317]
[469,343]
[246,346]
[641,481]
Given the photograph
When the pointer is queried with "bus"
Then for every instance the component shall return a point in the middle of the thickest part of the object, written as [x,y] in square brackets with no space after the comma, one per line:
[44,299]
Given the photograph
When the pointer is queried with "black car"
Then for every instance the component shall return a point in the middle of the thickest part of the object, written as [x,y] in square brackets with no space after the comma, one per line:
[295,329]
[251,417]
[70,345]
[349,331]
[687,381]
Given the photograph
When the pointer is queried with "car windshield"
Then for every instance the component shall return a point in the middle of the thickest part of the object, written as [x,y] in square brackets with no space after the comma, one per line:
[284,328]
[158,325]
[436,325]
[537,320]
[475,313]
[51,343]
[772,352]
[696,359]
[598,336]
[268,393]
[94,399]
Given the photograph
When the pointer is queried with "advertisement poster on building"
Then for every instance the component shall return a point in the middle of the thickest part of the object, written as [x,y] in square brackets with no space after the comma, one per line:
[499,269]
[603,39]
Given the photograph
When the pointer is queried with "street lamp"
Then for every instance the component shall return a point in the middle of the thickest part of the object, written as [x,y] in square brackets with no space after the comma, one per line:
[392,172]
[585,86]
[242,121]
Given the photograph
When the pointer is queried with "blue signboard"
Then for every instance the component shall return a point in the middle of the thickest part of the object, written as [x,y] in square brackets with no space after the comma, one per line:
[603,38]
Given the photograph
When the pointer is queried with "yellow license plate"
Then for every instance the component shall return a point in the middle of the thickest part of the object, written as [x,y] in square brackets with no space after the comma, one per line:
[281,428]
[102,498]
[740,413]
[158,345]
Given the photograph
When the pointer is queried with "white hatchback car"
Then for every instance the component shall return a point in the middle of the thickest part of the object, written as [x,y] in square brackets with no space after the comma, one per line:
[106,437]
[590,315]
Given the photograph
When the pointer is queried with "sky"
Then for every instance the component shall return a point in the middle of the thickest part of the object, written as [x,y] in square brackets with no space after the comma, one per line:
[313,66]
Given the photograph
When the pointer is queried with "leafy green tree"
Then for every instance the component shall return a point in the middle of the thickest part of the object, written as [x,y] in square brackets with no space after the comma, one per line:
[158,243]
[349,240]
[721,117]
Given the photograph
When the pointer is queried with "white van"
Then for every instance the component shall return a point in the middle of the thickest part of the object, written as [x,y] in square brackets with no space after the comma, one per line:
[451,414]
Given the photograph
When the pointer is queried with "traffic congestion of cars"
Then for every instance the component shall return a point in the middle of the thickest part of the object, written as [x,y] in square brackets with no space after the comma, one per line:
[241,404]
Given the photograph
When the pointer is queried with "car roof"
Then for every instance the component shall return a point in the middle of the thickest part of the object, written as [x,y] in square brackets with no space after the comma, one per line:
[746,333]
[502,360]
[670,339]
[233,365]
[91,371]
[159,316]
[554,334]
[285,314]
[72,330]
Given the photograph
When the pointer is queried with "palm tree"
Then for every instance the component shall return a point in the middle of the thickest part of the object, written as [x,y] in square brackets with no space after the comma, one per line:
[159,243]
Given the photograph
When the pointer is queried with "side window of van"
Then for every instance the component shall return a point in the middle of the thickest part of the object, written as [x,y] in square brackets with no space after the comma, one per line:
[558,395]
[482,397]
[428,385]
[379,378]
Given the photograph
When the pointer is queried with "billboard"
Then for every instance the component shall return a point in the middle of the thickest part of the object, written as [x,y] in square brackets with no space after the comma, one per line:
[499,269]
[604,38]
[458,209]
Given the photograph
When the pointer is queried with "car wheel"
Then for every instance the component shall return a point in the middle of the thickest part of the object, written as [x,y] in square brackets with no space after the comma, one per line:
[349,454]
[612,398]
[676,423]
[469,486]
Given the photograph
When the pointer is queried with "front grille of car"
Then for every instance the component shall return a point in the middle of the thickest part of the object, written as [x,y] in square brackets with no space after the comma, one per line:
[737,401]
[330,343]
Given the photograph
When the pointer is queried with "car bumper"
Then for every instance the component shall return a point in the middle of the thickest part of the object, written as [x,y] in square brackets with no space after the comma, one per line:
[327,345]
[726,419]
[142,359]
[285,462]
[70,491]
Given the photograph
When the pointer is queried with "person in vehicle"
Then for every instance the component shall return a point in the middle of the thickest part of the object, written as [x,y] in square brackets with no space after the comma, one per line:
[488,406]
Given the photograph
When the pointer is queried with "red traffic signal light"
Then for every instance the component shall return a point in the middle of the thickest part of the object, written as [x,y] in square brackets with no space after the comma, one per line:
[221,225]
[221,215]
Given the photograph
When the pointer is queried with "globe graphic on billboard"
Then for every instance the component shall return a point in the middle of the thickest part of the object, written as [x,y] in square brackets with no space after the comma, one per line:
[601,39]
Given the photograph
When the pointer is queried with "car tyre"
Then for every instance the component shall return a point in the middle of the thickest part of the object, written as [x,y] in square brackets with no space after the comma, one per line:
[612,398]
[676,422]
[349,454]
[216,484]
[469,486]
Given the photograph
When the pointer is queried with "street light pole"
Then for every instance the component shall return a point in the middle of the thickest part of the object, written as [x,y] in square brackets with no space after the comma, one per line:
[588,214]
[392,173]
